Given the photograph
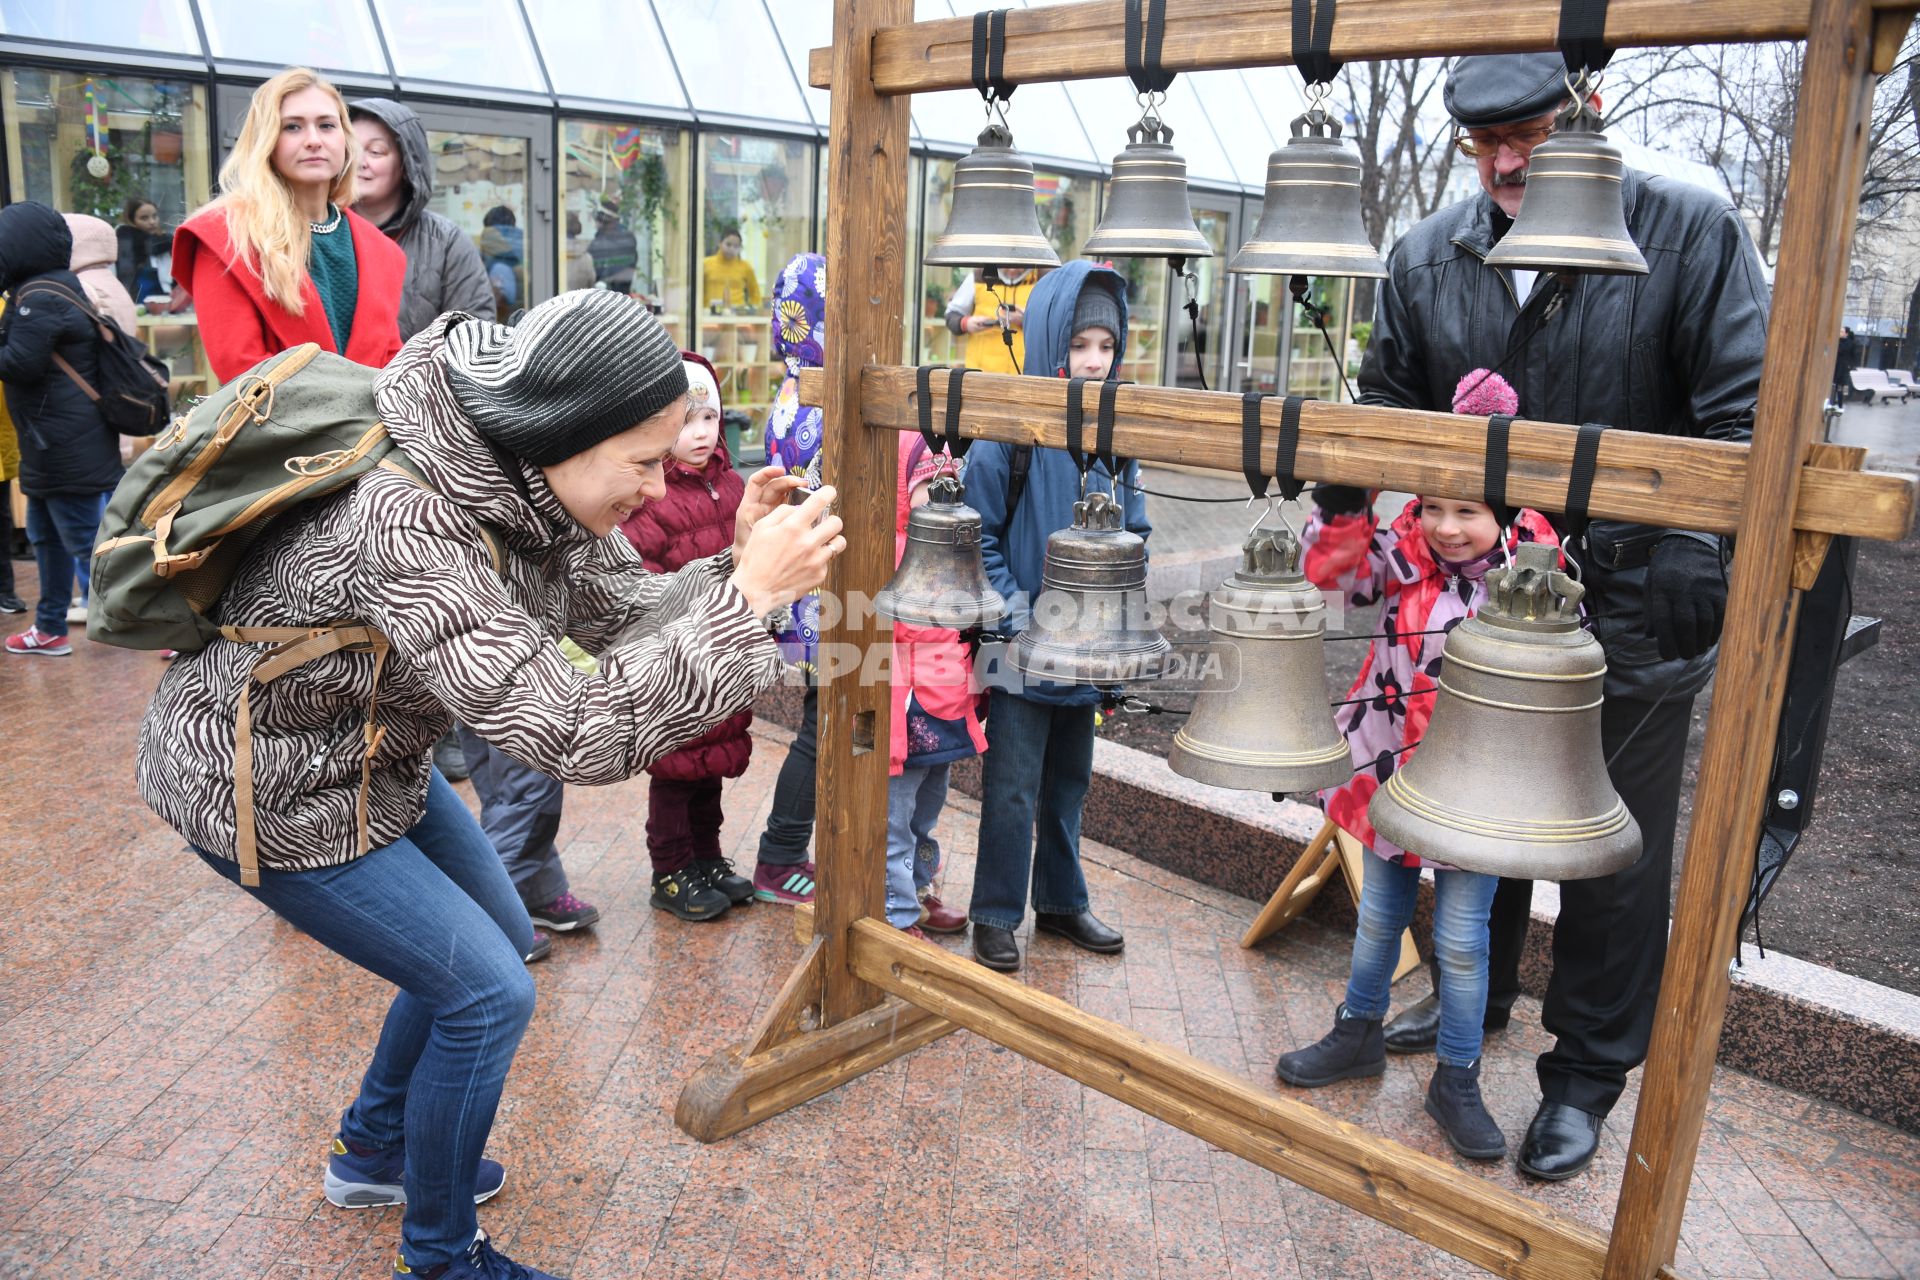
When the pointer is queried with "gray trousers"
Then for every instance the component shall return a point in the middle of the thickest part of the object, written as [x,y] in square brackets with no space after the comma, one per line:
[520,812]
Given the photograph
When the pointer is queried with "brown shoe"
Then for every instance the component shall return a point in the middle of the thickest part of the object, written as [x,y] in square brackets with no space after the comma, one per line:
[937,917]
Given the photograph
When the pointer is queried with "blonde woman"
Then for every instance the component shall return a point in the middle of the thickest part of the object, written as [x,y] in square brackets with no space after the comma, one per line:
[278,259]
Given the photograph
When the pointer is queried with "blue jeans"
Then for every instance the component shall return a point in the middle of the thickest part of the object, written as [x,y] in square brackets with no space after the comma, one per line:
[61,527]
[434,914]
[915,798]
[1034,781]
[520,811]
[1463,899]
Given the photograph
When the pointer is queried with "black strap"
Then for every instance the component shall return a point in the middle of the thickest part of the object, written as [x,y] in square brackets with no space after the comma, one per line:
[1583,35]
[1313,41]
[956,446]
[1145,30]
[1103,429]
[1076,416]
[1250,465]
[1586,463]
[990,55]
[1284,453]
[1494,489]
[1019,462]
[1199,341]
[923,396]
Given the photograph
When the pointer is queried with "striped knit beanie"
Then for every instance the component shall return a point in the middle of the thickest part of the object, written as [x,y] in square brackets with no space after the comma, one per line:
[576,370]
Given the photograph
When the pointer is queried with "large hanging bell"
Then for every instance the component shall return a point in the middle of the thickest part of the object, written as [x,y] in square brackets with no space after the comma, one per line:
[1267,726]
[1509,779]
[940,581]
[1574,214]
[1310,221]
[1148,215]
[1090,620]
[994,222]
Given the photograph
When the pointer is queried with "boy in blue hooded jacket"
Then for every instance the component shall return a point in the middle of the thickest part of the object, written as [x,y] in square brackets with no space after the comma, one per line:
[1039,760]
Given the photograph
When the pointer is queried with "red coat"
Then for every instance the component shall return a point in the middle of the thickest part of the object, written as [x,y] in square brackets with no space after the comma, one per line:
[695,520]
[241,325]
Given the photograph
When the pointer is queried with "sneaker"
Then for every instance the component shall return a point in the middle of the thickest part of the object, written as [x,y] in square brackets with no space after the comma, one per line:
[913,931]
[565,914]
[686,895]
[77,613]
[718,873]
[11,603]
[779,882]
[481,1262]
[937,917]
[374,1179]
[34,640]
[542,948]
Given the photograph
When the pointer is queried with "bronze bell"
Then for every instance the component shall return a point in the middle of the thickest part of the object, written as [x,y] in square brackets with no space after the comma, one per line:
[1268,727]
[1310,221]
[1090,621]
[1509,778]
[940,581]
[1574,214]
[994,222]
[1148,215]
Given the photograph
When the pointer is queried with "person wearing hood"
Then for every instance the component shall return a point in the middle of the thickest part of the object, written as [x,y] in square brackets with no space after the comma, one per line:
[279,259]
[69,456]
[548,434]
[395,186]
[1039,761]
[95,252]
[783,872]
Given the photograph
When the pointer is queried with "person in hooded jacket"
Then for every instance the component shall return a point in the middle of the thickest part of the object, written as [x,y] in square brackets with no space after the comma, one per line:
[94,253]
[69,457]
[1039,761]
[550,433]
[395,186]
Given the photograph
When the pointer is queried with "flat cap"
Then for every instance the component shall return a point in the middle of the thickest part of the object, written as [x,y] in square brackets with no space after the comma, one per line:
[1495,89]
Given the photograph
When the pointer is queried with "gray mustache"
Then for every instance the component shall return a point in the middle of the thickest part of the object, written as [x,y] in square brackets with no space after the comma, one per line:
[1518,178]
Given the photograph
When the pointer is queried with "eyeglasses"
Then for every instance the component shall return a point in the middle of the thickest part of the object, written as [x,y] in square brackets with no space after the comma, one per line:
[1484,142]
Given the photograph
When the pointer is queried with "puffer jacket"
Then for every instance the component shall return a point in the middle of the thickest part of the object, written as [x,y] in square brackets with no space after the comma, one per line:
[444,272]
[695,520]
[65,448]
[794,430]
[94,253]
[1674,352]
[677,653]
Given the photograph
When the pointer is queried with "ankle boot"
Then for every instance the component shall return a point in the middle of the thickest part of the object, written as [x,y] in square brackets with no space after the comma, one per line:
[1352,1050]
[1453,1099]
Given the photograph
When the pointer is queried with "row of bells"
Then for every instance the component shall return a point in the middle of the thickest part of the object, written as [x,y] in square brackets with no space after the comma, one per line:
[1520,680]
[1310,220]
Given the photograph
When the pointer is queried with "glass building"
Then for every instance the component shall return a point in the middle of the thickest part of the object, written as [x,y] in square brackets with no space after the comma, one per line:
[631,139]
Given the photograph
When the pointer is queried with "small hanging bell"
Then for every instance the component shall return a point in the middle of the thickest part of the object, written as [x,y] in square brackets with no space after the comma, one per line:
[1267,726]
[940,581]
[1509,779]
[994,222]
[1310,221]
[1574,215]
[1148,215]
[1090,621]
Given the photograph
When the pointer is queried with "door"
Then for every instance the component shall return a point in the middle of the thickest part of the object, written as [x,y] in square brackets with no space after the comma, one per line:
[1207,346]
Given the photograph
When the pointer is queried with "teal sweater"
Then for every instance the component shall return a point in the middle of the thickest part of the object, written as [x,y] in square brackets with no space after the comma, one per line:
[336,277]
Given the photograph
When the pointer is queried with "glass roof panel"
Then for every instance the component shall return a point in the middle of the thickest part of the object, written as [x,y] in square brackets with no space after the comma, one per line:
[732,59]
[1041,116]
[575,37]
[333,35]
[804,28]
[1275,96]
[476,42]
[156,26]
[1109,106]
[1242,133]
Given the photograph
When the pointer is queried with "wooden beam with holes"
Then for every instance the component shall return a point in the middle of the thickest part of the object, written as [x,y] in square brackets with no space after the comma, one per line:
[1083,41]
[1662,480]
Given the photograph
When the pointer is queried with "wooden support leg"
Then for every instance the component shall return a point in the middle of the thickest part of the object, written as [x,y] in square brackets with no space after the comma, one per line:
[1303,880]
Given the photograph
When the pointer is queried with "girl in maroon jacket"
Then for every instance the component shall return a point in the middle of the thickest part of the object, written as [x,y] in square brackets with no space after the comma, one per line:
[694,520]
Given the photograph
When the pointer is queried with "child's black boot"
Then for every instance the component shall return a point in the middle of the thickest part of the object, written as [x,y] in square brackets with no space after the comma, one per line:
[1352,1050]
[1453,1099]
[686,894]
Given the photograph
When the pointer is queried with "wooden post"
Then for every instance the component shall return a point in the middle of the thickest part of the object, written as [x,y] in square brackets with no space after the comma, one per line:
[1823,183]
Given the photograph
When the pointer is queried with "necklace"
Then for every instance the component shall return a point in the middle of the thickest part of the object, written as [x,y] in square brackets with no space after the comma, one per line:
[322,228]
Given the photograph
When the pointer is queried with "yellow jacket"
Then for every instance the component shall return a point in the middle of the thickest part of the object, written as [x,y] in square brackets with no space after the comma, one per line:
[987,349]
[9,442]
[728,281]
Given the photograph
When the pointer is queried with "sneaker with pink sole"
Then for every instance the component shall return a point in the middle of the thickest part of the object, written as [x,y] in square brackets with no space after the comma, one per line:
[34,640]
[783,882]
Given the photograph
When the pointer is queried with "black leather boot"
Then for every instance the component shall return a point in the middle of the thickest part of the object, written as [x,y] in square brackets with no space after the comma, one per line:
[1083,929]
[1416,1029]
[995,948]
[1453,1099]
[1560,1142]
[1351,1051]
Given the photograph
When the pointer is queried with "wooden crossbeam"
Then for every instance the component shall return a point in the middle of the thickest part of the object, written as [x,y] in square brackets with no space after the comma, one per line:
[1084,41]
[1661,480]
[1430,1199]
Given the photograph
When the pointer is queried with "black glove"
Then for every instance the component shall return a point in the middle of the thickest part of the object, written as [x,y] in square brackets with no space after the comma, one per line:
[1686,596]
[1340,499]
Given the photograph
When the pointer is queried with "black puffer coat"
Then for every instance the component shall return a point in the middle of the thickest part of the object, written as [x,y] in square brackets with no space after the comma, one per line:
[1675,352]
[64,446]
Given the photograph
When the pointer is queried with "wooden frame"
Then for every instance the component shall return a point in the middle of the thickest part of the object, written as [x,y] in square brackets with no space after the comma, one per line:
[863,993]
[1332,851]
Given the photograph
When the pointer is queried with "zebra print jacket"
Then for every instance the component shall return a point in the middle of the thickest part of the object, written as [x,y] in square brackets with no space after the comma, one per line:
[678,653]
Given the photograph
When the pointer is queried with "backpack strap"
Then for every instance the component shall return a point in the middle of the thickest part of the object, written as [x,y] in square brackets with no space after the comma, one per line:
[1019,462]
[400,464]
[87,308]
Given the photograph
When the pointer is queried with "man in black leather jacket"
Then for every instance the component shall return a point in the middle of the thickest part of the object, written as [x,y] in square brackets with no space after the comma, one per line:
[1676,352]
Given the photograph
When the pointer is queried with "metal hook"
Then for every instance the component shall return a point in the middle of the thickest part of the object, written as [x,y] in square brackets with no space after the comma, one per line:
[1571,561]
